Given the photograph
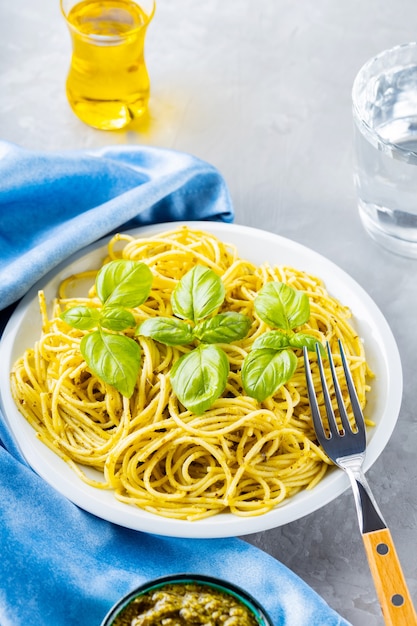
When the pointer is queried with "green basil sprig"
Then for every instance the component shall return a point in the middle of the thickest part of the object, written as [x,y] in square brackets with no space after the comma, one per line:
[111,356]
[199,377]
[115,359]
[272,361]
[265,370]
[281,306]
[198,294]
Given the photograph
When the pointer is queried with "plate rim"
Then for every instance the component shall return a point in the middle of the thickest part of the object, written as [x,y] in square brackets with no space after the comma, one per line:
[224,524]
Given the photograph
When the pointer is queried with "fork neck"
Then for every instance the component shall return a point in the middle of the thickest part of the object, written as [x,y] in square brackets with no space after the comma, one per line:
[369,516]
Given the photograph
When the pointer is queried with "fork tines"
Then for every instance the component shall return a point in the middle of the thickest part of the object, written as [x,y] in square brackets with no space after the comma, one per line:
[331,418]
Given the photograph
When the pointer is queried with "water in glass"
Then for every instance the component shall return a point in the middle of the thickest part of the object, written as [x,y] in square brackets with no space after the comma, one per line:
[386,159]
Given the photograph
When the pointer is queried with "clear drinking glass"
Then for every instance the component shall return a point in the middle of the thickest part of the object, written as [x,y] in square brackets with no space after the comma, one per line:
[385,144]
[108,83]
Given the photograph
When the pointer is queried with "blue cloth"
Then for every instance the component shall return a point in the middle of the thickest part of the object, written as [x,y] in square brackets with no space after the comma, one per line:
[59,565]
[52,205]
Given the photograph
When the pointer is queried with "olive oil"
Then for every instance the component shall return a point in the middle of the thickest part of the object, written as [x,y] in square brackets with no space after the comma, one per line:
[108,82]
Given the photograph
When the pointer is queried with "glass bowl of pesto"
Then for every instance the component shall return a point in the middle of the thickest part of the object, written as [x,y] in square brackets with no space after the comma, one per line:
[187,599]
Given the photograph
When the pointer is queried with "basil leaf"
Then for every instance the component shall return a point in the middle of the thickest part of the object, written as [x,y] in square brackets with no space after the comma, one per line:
[281,306]
[223,328]
[274,340]
[115,359]
[167,330]
[81,317]
[116,318]
[299,340]
[198,293]
[124,283]
[264,371]
[199,377]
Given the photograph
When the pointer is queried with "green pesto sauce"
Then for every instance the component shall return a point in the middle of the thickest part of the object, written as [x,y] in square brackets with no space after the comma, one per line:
[184,604]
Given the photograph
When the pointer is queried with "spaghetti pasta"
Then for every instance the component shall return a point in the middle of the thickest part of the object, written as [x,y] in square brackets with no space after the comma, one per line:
[239,456]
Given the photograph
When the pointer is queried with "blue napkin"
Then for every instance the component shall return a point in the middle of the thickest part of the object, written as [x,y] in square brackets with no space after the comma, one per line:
[52,205]
[59,565]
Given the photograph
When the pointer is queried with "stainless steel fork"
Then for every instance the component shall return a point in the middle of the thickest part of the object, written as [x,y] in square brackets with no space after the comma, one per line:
[346,447]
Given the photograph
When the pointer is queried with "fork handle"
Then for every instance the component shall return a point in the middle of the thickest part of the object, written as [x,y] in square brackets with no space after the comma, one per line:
[393,594]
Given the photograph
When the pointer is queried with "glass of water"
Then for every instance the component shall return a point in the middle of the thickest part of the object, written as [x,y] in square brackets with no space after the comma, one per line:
[385,144]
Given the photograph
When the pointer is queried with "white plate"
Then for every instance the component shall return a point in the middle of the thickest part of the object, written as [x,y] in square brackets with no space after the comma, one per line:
[257,246]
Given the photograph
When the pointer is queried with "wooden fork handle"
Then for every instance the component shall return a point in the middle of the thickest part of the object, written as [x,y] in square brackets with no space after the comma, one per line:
[393,594]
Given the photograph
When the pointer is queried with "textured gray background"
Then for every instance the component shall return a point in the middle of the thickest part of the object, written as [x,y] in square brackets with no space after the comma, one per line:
[262,91]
